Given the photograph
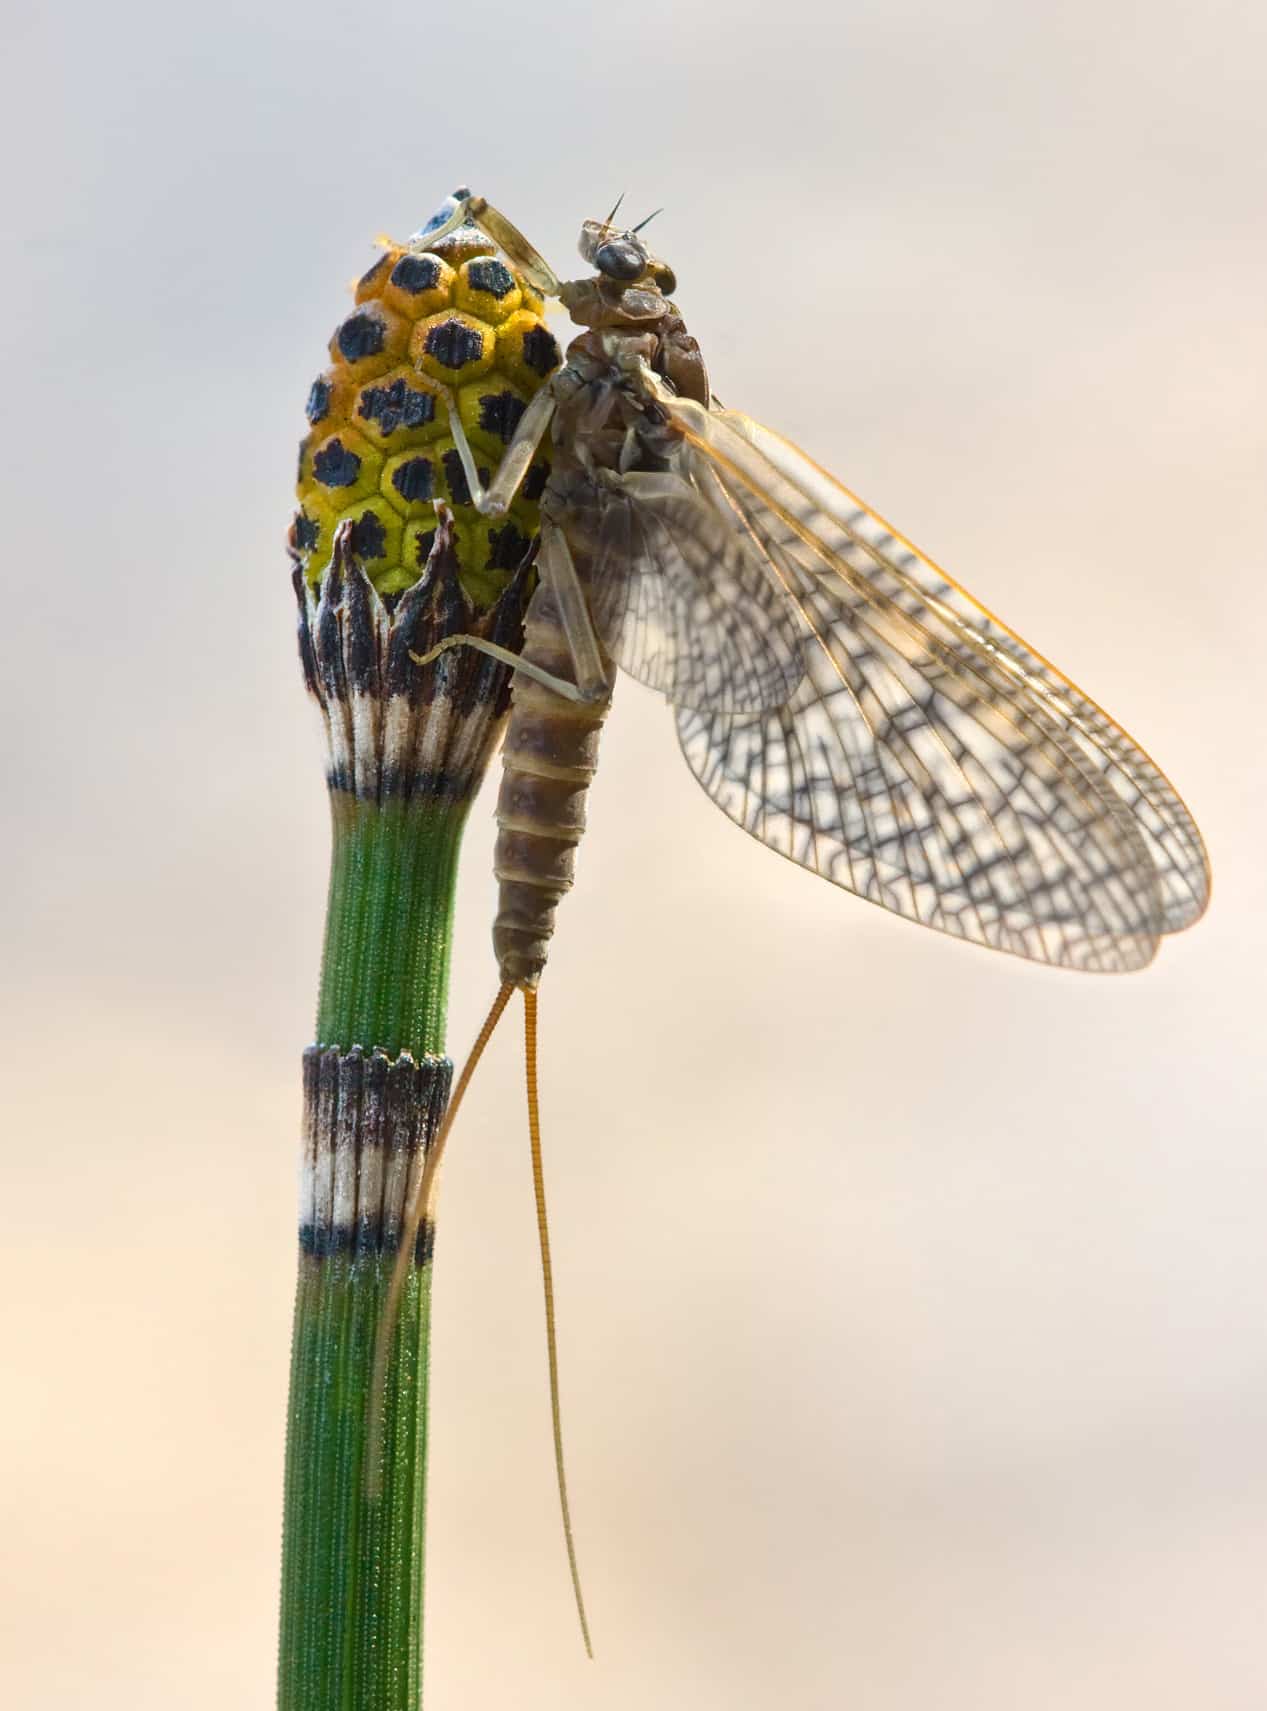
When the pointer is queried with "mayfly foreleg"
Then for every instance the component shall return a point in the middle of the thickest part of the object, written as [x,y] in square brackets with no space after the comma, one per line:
[447,218]
[462,207]
[496,499]
[511,241]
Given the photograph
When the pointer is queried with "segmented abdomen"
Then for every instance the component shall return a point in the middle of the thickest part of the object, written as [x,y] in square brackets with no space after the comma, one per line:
[549,757]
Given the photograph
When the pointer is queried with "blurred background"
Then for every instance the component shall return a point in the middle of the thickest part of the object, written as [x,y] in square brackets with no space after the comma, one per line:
[912,1300]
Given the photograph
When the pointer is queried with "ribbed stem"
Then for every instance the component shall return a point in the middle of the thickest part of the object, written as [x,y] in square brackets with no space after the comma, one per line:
[352,1567]
[385,972]
[352,1571]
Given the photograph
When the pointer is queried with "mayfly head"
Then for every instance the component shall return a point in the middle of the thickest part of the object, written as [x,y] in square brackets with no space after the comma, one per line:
[629,288]
[622,258]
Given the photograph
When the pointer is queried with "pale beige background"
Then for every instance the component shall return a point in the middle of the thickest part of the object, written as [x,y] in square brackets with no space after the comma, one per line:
[912,1300]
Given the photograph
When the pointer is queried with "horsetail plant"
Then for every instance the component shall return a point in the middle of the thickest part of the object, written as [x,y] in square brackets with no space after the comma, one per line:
[390,557]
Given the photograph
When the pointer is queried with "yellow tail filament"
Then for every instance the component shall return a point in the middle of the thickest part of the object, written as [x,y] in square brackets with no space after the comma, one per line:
[420,1204]
[547,1278]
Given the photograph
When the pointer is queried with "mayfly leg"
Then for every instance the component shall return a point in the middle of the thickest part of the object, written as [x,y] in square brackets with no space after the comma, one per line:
[507,236]
[558,573]
[495,499]
[530,262]
[461,207]
[516,662]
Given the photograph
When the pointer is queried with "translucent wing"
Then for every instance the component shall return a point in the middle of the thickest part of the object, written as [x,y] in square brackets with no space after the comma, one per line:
[929,760]
[682,600]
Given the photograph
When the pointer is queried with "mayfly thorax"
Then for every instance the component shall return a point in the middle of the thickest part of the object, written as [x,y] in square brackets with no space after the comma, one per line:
[836,693]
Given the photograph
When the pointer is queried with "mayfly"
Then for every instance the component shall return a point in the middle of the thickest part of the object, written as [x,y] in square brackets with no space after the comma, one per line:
[836,693]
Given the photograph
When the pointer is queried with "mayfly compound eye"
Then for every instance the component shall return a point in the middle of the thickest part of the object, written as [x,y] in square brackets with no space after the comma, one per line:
[620,259]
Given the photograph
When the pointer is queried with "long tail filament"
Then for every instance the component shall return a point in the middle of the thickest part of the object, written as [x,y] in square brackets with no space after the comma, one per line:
[547,1278]
[419,1205]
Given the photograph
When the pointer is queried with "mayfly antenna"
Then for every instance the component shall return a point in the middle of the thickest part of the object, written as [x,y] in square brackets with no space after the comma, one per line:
[651,216]
[615,206]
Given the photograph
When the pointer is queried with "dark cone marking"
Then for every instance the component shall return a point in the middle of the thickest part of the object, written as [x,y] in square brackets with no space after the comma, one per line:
[336,465]
[361,335]
[414,480]
[541,350]
[318,405]
[500,413]
[507,547]
[396,406]
[416,274]
[367,536]
[486,273]
[454,344]
[305,532]
[455,475]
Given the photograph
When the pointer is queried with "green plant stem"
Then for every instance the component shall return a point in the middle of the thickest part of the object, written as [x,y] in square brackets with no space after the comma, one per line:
[352,1568]
[389,922]
[352,1572]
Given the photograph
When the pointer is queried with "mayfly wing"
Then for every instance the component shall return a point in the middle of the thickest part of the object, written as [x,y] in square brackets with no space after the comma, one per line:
[929,760]
[680,599]
[851,528]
